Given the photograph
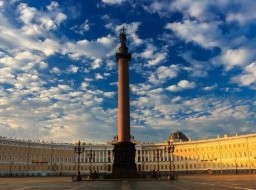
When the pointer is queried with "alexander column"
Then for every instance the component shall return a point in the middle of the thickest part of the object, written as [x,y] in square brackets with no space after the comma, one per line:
[124,150]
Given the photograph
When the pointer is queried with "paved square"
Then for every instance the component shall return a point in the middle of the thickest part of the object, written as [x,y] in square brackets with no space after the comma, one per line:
[221,182]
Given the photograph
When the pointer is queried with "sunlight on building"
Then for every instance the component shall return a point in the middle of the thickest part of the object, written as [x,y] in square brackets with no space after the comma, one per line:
[234,154]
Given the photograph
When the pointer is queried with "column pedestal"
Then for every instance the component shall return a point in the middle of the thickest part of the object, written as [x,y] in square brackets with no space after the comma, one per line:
[124,161]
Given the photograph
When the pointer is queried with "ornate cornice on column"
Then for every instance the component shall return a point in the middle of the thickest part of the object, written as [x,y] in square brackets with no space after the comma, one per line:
[123,56]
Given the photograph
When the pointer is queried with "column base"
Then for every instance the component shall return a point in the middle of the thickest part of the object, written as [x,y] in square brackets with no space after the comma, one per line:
[124,161]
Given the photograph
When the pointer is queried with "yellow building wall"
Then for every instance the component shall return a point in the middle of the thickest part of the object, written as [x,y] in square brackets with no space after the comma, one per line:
[220,155]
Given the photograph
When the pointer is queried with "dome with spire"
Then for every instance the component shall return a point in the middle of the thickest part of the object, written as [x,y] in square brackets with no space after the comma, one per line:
[177,136]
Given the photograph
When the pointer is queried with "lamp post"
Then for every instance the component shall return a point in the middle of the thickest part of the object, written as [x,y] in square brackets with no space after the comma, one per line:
[236,166]
[142,160]
[51,163]
[109,161]
[186,162]
[10,166]
[28,155]
[60,169]
[235,163]
[91,155]
[158,155]
[220,156]
[78,150]
[10,169]
[254,164]
[170,149]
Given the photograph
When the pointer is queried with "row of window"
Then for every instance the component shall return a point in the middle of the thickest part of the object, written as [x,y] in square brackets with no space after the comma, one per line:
[217,147]
[250,145]
[154,158]
[199,166]
[49,159]
[146,167]
[203,149]
[54,167]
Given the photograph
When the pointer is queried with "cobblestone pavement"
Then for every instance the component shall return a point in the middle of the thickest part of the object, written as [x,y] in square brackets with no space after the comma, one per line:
[220,182]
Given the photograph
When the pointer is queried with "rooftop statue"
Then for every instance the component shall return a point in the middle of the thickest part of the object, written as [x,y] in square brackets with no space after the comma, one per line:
[122,36]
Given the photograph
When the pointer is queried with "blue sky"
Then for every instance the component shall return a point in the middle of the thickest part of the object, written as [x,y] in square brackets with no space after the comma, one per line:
[193,68]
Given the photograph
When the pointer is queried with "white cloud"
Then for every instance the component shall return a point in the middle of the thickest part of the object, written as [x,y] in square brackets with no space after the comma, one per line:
[207,29]
[7,76]
[157,90]
[81,29]
[176,99]
[106,74]
[26,13]
[109,94]
[248,77]
[99,48]
[197,9]
[182,85]
[56,70]
[236,57]
[98,76]
[29,96]
[244,15]
[225,110]
[163,73]
[140,89]
[190,8]
[34,34]
[186,84]
[241,18]
[147,54]
[23,61]
[162,8]
[32,114]
[235,10]
[205,34]
[158,58]
[72,69]
[84,85]
[44,20]
[52,47]
[96,63]
[110,64]
[43,65]
[152,55]
[210,88]
[53,5]
[197,68]
[112,2]
[209,115]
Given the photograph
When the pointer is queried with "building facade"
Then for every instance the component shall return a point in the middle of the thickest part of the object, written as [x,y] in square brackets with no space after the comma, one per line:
[235,154]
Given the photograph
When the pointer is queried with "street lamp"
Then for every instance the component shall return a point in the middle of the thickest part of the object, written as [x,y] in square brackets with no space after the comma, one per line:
[235,162]
[28,156]
[142,161]
[236,166]
[170,149]
[10,170]
[91,156]
[60,169]
[158,155]
[78,150]
[11,163]
[186,162]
